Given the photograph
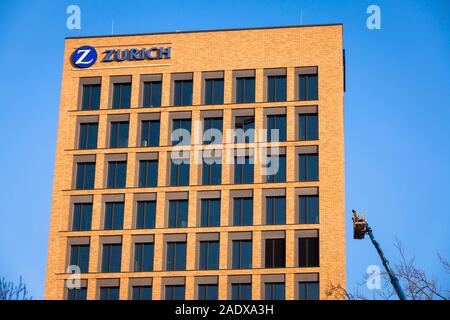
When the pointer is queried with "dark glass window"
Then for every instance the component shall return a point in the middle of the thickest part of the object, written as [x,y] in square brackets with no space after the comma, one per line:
[121,95]
[242,254]
[146,214]
[213,91]
[77,294]
[109,293]
[208,292]
[82,216]
[309,209]
[178,213]
[276,122]
[244,123]
[275,253]
[280,174]
[152,94]
[243,211]
[143,257]
[274,291]
[79,256]
[209,255]
[309,87]
[308,167]
[245,90]
[208,125]
[174,292]
[142,292]
[241,291]
[210,213]
[148,173]
[276,210]
[308,291]
[308,126]
[179,172]
[114,215]
[88,136]
[212,171]
[179,135]
[308,252]
[117,174]
[150,133]
[112,256]
[183,93]
[119,135]
[243,170]
[276,88]
[91,97]
[176,256]
[85,175]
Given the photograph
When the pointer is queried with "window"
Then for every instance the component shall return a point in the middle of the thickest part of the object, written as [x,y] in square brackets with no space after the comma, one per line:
[91,97]
[241,291]
[309,167]
[117,174]
[308,126]
[208,292]
[88,136]
[181,130]
[274,291]
[243,211]
[280,174]
[150,133]
[85,175]
[148,173]
[276,88]
[274,123]
[244,123]
[114,216]
[210,125]
[79,256]
[209,255]
[142,292]
[245,90]
[276,210]
[152,94]
[308,89]
[183,93]
[119,135]
[82,216]
[77,294]
[213,91]
[112,256]
[212,171]
[275,253]
[308,252]
[179,172]
[308,290]
[242,254]
[109,293]
[178,213]
[176,256]
[146,214]
[210,212]
[309,209]
[174,292]
[121,95]
[243,170]
[143,257]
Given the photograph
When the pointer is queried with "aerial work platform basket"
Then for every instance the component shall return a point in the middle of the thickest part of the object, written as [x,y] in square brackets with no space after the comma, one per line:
[359,225]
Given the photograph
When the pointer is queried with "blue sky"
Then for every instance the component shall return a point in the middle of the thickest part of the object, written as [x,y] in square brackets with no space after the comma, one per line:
[397,114]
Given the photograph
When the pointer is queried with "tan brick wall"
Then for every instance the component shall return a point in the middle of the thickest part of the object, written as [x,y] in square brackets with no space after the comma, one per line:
[197,52]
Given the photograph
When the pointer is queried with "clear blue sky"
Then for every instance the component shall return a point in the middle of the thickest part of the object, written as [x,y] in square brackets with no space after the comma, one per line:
[397,114]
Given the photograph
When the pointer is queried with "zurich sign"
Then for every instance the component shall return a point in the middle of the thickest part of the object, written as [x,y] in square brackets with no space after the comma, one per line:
[84,57]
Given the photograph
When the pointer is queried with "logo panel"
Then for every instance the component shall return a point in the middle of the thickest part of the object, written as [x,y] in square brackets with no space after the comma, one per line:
[84,57]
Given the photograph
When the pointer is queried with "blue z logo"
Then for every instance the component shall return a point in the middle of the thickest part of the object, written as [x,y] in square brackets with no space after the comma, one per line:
[84,57]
